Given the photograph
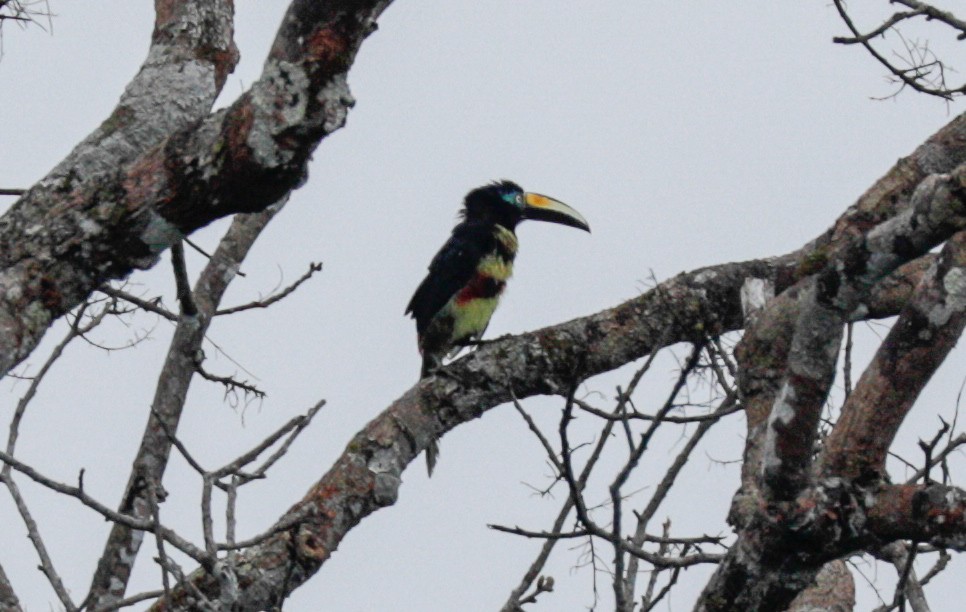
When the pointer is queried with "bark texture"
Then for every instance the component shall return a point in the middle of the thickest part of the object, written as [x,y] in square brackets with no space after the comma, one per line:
[163,166]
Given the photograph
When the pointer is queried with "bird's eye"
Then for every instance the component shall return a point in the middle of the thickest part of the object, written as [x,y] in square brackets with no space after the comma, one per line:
[513,198]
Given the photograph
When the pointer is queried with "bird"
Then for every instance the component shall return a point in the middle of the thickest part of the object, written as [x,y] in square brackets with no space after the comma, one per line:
[452,306]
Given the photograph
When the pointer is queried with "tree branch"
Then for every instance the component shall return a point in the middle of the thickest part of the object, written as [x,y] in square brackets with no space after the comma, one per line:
[130,208]
[8,598]
[120,551]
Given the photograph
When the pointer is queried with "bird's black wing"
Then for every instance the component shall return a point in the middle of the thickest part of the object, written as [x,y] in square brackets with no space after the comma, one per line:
[451,269]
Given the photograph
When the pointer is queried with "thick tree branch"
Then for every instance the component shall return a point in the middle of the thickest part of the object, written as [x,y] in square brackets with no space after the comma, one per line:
[832,591]
[8,598]
[128,209]
[191,54]
[366,477]
[928,328]
[932,513]
[787,360]
[938,209]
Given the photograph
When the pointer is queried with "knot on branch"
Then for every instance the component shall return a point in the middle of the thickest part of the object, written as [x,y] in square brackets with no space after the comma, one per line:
[827,520]
[310,546]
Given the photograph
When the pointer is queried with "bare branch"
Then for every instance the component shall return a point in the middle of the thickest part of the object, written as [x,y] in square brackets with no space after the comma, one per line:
[135,599]
[663,489]
[933,13]
[76,330]
[281,295]
[231,385]
[78,493]
[938,458]
[114,568]
[185,298]
[923,71]
[293,428]
[908,587]
[33,532]
[513,602]
[622,599]
[153,305]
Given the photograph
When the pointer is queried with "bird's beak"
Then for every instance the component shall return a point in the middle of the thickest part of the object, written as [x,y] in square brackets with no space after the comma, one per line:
[541,208]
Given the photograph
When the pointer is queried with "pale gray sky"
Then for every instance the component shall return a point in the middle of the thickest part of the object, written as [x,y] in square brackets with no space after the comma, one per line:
[688,134]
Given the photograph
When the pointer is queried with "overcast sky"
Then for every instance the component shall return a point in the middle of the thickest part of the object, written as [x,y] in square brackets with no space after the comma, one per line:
[688,134]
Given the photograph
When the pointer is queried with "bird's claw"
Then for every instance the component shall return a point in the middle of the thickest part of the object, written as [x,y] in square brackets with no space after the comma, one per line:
[479,343]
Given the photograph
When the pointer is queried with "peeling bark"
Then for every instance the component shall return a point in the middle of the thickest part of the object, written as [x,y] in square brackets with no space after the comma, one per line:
[367,476]
[162,166]
[786,361]
[833,591]
[97,218]
[59,238]
[931,513]
[928,328]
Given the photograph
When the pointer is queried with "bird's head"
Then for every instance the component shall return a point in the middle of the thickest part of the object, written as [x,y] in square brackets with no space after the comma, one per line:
[506,203]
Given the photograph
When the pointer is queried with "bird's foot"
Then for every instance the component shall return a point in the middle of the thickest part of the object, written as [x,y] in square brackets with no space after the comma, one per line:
[479,343]
[438,370]
[442,372]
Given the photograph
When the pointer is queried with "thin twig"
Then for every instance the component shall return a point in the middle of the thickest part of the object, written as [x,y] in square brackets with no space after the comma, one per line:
[78,492]
[281,295]
[33,533]
[847,361]
[914,76]
[231,385]
[159,540]
[513,602]
[134,599]
[76,329]
[185,297]
[295,425]
[592,527]
[153,305]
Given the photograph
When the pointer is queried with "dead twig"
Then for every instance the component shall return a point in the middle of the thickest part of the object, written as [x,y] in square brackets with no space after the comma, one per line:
[281,295]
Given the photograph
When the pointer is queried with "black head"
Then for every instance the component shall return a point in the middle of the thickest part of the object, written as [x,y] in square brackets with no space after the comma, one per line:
[499,202]
[505,203]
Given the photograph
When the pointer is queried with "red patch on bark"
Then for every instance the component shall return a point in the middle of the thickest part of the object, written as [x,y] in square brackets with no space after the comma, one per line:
[325,45]
[145,180]
[50,295]
[225,61]
[237,128]
[164,12]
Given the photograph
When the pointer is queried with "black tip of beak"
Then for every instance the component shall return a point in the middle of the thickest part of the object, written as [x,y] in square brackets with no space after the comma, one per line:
[570,221]
[552,216]
[542,208]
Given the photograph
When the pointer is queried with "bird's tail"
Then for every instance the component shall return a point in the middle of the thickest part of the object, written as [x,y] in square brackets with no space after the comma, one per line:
[430,363]
[432,454]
